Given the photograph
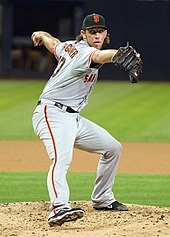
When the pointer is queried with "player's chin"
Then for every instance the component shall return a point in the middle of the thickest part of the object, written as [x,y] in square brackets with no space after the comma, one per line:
[97,45]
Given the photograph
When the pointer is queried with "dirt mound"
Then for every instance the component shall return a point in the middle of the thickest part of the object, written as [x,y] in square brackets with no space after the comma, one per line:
[30,219]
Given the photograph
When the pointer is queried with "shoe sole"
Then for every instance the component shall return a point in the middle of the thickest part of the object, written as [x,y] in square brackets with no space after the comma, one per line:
[70,216]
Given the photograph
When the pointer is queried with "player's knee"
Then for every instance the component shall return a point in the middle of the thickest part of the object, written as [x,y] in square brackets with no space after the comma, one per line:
[115,149]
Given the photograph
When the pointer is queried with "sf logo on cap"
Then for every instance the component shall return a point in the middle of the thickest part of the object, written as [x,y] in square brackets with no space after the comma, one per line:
[96,18]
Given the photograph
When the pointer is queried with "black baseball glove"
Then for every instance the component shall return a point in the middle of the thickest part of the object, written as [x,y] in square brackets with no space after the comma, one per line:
[129,60]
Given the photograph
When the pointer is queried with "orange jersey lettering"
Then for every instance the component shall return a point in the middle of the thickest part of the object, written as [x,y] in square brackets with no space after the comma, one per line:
[71,50]
[89,78]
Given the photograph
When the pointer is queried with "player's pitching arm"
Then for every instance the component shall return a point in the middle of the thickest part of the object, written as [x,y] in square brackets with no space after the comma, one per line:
[44,38]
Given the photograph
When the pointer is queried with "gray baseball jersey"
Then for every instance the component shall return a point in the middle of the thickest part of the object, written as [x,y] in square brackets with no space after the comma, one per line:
[73,79]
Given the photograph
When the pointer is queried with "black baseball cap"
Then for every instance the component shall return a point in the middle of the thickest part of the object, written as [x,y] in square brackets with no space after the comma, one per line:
[92,21]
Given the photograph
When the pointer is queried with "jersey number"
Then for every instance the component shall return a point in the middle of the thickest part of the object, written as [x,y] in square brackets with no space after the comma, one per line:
[62,61]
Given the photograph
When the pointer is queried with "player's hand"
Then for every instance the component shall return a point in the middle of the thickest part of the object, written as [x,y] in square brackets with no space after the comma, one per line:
[37,38]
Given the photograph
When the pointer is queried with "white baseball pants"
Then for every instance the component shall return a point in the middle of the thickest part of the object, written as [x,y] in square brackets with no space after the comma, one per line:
[60,132]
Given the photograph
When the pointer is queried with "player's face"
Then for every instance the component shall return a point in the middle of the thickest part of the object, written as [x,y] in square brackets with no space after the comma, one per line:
[95,37]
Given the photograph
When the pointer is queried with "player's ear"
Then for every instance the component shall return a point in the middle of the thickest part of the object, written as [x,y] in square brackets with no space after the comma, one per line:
[82,33]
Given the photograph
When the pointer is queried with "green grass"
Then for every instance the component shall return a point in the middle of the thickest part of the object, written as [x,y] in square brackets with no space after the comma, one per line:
[135,188]
[130,112]
[17,102]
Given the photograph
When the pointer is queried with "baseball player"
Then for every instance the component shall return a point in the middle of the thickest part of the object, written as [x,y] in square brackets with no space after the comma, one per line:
[58,123]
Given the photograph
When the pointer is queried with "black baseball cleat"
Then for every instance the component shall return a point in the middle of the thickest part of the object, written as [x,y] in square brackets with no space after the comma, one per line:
[65,215]
[115,206]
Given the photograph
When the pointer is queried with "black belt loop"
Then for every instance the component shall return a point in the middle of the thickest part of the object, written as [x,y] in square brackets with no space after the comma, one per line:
[59,105]
[39,102]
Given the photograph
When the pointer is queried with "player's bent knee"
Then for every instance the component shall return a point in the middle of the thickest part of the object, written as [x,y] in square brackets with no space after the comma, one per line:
[117,148]
[114,149]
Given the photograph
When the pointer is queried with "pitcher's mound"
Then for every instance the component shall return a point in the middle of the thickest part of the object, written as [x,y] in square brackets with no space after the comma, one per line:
[30,219]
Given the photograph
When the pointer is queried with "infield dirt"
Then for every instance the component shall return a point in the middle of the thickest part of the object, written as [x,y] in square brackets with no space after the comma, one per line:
[30,219]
